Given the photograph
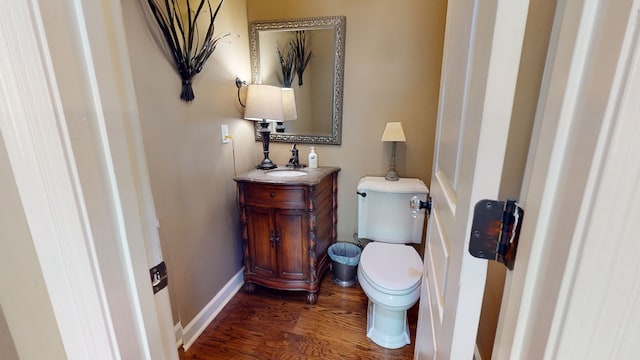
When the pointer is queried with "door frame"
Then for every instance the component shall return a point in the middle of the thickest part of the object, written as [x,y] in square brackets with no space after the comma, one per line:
[35,123]
[564,169]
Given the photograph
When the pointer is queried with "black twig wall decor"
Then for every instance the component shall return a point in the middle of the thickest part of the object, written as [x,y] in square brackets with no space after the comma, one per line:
[302,55]
[188,47]
[287,58]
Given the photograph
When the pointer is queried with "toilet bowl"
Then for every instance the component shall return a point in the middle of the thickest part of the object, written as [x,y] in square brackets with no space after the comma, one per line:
[390,276]
[390,271]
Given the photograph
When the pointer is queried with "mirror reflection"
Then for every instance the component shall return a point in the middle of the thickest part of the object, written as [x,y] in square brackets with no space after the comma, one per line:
[308,56]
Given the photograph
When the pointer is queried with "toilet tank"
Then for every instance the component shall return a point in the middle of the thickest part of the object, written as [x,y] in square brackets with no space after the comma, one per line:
[384,213]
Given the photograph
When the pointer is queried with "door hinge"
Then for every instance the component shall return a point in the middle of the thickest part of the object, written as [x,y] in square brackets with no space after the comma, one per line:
[159,277]
[495,231]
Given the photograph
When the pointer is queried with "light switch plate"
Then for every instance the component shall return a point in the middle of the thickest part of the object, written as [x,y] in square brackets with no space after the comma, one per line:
[224,130]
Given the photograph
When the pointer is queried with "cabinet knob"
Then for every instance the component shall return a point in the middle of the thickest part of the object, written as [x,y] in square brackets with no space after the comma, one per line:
[272,194]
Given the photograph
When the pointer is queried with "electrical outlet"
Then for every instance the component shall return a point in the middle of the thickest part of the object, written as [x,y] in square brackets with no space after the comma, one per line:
[224,130]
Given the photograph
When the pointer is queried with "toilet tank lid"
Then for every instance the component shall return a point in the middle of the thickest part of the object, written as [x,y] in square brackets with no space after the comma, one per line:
[403,185]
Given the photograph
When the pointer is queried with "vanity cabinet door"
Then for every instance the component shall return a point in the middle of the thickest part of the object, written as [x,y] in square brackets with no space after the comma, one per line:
[292,245]
[261,241]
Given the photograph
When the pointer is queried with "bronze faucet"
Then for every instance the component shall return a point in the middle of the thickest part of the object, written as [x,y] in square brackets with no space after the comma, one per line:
[294,161]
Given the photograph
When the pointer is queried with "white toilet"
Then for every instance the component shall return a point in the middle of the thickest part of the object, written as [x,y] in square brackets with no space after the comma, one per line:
[390,272]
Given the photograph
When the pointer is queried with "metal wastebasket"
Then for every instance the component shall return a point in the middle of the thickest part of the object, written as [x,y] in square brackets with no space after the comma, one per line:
[344,262]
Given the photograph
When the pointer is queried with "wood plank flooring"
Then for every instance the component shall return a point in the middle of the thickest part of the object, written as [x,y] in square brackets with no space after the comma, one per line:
[272,324]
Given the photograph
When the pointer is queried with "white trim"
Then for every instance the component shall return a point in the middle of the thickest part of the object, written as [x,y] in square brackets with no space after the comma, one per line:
[534,300]
[211,310]
[108,314]
[609,212]
[111,83]
[538,188]
[476,353]
[117,177]
[567,68]
[35,137]
[178,331]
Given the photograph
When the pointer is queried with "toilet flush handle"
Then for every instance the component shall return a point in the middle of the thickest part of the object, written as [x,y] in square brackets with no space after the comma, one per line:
[415,204]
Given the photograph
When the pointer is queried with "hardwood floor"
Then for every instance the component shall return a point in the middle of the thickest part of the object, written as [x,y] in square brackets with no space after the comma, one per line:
[273,324]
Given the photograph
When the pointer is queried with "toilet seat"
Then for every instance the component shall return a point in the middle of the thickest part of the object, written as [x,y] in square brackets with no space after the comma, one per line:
[391,268]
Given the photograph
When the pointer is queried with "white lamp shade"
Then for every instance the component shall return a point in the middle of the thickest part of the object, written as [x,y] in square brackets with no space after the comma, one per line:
[393,132]
[264,102]
[289,104]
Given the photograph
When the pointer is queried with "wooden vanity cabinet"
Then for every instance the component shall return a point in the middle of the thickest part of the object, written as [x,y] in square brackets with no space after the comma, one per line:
[287,226]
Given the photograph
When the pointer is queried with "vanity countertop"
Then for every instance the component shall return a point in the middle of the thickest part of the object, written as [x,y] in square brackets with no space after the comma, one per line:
[312,176]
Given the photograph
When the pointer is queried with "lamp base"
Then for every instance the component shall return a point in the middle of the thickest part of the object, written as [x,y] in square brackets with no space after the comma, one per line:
[266,164]
[392,175]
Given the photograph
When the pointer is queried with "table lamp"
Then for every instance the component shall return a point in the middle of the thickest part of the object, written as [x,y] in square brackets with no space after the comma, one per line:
[290,113]
[265,103]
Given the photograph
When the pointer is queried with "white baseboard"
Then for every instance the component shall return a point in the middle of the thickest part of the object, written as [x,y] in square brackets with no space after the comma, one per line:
[187,335]
[179,333]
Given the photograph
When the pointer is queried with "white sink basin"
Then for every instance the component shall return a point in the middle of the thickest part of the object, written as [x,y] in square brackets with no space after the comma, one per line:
[286,173]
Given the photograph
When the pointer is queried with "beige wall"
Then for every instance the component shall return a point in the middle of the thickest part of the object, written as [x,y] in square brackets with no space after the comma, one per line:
[191,171]
[7,346]
[392,70]
[27,326]
[392,73]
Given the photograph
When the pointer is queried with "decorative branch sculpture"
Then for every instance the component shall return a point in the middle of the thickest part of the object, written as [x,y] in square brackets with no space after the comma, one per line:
[182,36]
[302,56]
[287,64]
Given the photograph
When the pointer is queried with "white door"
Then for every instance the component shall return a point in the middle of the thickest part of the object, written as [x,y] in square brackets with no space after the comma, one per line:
[483,41]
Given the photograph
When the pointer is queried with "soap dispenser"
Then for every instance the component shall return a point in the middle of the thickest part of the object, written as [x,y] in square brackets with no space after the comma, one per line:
[313,158]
